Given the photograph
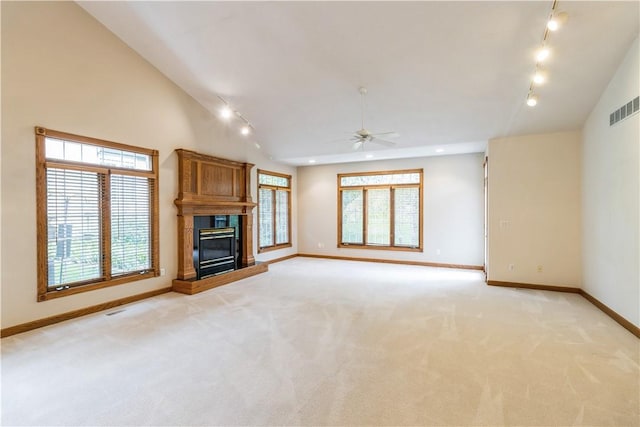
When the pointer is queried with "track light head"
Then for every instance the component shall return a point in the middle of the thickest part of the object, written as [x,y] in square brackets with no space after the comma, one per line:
[543,53]
[539,77]
[556,20]
[226,112]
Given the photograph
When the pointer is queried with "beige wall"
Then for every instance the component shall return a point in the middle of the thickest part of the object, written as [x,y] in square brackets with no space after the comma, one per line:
[453,209]
[610,196]
[534,209]
[63,70]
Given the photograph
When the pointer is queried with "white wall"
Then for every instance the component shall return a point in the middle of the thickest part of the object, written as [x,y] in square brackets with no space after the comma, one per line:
[63,70]
[453,209]
[534,209]
[610,194]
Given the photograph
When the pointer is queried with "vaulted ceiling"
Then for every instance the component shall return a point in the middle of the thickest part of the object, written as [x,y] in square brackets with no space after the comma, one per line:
[447,75]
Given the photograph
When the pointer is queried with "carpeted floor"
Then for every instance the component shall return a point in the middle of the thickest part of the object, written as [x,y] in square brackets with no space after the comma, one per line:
[323,342]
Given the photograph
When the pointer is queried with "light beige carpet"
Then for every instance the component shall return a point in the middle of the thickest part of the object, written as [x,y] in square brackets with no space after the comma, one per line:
[321,342]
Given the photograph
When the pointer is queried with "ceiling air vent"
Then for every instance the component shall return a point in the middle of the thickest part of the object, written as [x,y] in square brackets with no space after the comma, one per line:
[625,111]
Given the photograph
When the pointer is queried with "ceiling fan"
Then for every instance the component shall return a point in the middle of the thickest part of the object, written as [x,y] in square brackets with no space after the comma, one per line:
[359,137]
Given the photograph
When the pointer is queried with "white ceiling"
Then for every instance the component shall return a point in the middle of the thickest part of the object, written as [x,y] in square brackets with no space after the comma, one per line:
[441,74]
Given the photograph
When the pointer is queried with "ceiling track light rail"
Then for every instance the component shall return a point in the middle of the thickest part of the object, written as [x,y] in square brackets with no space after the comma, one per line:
[556,19]
[226,113]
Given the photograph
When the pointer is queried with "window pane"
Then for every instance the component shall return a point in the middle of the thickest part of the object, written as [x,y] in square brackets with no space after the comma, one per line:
[352,216]
[277,181]
[130,224]
[378,217]
[382,179]
[95,154]
[406,217]
[282,214]
[73,226]
[265,216]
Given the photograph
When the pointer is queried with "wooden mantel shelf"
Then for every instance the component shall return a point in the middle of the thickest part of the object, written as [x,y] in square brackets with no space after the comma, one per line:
[205,207]
[209,186]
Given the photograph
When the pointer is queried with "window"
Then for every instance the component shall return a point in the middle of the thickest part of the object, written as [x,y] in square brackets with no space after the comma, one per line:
[97,213]
[380,210]
[274,210]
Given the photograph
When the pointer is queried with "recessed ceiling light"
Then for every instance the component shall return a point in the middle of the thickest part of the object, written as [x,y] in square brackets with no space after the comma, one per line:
[245,130]
[257,145]
[226,112]
[312,161]
[532,100]
[439,150]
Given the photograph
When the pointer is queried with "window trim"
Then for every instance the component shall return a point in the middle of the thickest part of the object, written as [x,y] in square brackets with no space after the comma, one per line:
[42,164]
[391,187]
[262,249]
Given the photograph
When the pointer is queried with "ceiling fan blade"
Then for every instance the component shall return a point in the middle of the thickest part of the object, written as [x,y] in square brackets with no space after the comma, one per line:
[357,145]
[387,134]
[383,142]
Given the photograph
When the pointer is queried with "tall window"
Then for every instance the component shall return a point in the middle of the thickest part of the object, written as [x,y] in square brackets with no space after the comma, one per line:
[97,213]
[274,210]
[380,210]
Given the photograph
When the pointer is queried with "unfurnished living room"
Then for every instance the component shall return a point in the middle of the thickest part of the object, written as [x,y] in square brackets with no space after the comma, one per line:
[320,213]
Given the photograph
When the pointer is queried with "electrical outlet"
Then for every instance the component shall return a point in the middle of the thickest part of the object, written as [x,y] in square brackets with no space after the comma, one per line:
[437,251]
[163,272]
[511,267]
[320,245]
[539,269]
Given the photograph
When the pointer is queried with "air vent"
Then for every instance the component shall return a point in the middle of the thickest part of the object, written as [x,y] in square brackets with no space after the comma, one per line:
[625,111]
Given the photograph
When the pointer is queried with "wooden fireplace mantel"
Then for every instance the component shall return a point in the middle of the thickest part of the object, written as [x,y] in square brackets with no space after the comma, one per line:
[210,185]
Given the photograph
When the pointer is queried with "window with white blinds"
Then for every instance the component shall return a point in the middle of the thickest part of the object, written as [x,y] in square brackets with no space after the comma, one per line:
[130,224]
[274,210]
[97,213]
[74,232]
[380,210]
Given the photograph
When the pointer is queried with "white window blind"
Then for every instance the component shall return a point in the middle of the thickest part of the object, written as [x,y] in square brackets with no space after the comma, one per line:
[378,217]
[352,216]
[73,227]
[130,224]
[282,217]
[406,216]
[265,201]
[274,217]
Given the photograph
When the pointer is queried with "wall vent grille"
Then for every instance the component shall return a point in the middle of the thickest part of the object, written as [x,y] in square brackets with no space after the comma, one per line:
[625,111]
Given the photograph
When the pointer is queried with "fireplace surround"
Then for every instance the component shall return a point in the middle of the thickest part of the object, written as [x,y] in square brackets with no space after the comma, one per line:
[212,187]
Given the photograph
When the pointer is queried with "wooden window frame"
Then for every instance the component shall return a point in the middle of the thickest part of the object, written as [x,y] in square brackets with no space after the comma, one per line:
[273,188]
[42,164]
[391,187]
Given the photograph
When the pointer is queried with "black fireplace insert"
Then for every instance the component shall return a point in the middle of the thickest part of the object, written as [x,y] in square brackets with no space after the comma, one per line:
[216,251]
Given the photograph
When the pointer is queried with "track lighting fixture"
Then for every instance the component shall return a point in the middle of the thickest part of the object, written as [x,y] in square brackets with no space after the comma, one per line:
[539,77]
[226,112]
[556,19]
[543,53]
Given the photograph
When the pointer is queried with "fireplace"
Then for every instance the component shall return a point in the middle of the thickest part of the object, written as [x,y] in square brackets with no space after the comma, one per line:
[214,194]
[216,253]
